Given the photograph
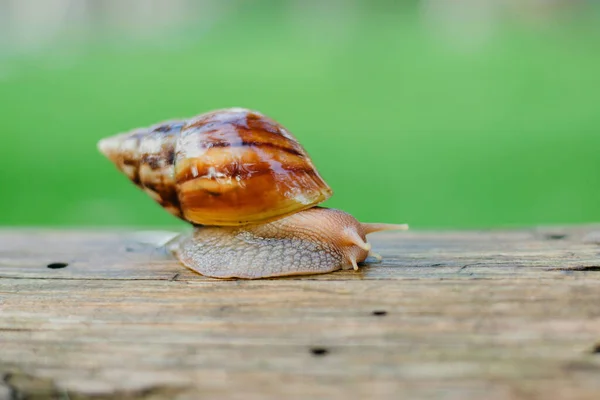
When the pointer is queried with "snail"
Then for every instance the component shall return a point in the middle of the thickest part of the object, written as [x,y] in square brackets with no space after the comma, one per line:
[249,189]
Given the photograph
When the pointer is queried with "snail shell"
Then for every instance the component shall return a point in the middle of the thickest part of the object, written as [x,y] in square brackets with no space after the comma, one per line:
[228,167]
[250,189]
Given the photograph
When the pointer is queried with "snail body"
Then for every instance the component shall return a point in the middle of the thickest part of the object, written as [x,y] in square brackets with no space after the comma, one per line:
[313,241]
[250,190]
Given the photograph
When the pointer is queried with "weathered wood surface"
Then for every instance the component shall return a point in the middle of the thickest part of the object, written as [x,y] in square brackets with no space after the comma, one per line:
[446,315]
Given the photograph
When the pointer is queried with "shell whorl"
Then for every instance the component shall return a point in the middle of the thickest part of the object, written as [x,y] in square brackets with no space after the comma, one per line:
[147,157]
[226,167]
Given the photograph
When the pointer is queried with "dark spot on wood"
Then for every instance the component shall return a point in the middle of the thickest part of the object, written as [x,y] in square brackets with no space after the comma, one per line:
[555,236]
[436,265]
[319,351]
[379,313]
[596,348]
[468,265]
[593,268]
[216,194]
[57,265]
[174,277]
[129,249]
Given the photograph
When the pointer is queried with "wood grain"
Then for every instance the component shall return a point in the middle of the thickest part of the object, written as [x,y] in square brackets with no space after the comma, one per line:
[446,315]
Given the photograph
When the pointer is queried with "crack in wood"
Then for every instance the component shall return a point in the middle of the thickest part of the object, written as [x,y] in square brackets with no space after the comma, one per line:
[577,268]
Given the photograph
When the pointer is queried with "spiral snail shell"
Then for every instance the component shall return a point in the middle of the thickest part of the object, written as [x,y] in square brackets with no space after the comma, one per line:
[249,188]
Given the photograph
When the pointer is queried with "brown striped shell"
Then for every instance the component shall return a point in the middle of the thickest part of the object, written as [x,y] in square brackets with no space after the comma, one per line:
[224,168]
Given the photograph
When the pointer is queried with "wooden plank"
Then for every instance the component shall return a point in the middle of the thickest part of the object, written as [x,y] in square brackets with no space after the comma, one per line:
[407,255]
[448,315]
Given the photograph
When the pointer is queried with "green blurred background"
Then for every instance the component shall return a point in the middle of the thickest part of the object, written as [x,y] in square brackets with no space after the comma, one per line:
[440,114]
